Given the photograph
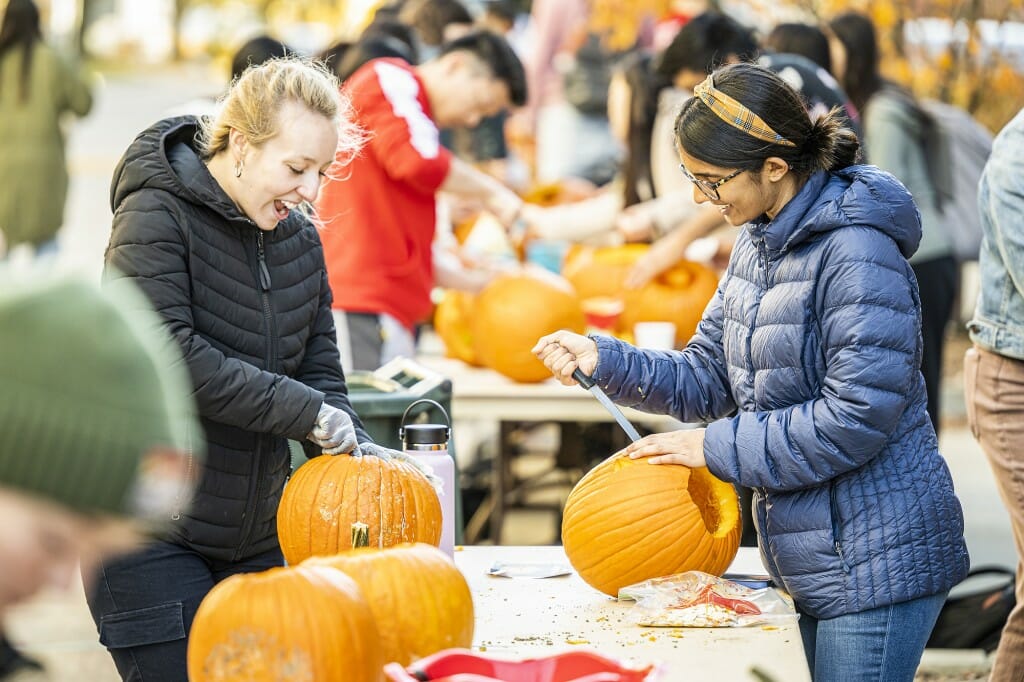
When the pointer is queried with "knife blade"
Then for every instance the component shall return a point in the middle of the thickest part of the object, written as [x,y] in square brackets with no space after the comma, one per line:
[613,409]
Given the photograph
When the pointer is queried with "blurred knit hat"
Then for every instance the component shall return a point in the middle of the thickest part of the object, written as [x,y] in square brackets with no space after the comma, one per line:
[95,406]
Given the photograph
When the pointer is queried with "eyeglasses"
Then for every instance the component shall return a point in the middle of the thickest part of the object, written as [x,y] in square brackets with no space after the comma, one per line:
[709,189]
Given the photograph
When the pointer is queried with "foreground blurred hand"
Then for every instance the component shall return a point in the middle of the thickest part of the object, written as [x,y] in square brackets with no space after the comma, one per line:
[684,447]
[563,352]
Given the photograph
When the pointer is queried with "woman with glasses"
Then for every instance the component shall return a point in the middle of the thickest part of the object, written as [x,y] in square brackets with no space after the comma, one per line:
[805,368]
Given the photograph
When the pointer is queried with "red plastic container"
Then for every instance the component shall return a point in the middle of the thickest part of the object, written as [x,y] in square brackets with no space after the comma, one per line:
[463,665]
[602,311]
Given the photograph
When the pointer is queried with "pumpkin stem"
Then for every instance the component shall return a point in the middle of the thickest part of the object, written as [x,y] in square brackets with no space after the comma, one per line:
[360,534]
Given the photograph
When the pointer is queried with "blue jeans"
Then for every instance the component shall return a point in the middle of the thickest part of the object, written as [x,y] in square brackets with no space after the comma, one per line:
[143,605]
[880,645]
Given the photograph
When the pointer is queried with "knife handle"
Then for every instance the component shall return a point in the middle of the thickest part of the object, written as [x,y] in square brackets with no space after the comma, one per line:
[582,379]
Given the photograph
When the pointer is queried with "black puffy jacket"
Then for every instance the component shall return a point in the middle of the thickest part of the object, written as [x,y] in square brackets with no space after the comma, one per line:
[252,312]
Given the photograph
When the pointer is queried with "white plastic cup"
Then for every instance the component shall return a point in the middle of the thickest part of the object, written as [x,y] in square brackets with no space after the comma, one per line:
[655,335]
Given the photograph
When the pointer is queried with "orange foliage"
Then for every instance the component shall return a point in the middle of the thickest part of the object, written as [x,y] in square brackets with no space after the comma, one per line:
[963,73]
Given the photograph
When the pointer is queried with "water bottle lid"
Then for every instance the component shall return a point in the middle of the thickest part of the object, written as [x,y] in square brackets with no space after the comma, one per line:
[424,434]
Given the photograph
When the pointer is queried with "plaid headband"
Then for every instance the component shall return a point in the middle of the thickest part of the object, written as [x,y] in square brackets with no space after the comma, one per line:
[737,115]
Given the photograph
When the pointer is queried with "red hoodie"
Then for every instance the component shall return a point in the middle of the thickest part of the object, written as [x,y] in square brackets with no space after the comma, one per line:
[379,216]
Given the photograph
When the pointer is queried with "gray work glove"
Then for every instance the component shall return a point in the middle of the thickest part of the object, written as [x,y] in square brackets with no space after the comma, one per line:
[333,431]
[387,454]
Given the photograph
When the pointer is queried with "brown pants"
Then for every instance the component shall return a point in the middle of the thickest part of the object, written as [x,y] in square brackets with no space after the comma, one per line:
[994,389]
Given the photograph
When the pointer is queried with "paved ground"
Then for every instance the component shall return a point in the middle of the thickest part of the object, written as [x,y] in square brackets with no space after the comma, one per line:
[58,628]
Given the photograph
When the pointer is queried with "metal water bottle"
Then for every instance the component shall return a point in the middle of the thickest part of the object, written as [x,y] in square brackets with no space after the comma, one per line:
[428,443]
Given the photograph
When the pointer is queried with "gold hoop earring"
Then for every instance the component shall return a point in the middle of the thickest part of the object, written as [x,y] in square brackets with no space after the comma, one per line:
[238,168]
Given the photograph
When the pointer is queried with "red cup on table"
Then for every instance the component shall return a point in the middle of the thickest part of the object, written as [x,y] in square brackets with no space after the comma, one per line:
[602,312]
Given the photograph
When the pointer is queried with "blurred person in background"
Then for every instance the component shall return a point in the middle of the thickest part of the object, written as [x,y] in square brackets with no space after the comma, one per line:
[648,196]
[381,38]
[573,132]
[803,39]
[379,220]
[252,52]
[95,425]
[434,23]
[37,88]
[805,367]
[994,367]
[896,139]
[485,144]
[705,43]
[210,220]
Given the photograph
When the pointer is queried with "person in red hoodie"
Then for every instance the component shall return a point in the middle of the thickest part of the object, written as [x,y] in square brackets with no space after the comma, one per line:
[378,219]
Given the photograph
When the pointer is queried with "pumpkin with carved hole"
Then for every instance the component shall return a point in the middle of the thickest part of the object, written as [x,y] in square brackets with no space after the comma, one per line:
[329,493]
[301,624]
[627,521]
[515,310]
[417,591]
[678,295]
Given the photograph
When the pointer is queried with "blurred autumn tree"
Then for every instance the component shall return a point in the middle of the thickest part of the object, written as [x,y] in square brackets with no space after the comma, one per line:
[964,71]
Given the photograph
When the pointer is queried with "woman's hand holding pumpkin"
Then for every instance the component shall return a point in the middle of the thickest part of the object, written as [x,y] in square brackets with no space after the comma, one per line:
[563,352]
[685,447]
[334,431]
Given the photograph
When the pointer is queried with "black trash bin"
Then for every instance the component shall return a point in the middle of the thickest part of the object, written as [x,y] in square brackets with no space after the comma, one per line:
[381,397]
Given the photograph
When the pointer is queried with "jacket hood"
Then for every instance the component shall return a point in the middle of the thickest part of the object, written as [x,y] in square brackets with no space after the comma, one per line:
[165,157]
[856,195]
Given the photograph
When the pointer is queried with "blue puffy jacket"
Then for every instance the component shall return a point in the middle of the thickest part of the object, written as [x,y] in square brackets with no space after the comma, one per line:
[806,364]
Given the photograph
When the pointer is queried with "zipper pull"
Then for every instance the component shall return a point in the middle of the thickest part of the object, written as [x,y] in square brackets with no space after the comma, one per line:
[261,257]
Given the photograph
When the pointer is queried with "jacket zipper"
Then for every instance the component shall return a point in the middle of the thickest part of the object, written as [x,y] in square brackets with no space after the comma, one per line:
[836,541]
[176,513]
[248,519]
[762,257]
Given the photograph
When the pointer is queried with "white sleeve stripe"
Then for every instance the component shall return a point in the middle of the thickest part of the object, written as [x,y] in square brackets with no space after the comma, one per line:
[400,89]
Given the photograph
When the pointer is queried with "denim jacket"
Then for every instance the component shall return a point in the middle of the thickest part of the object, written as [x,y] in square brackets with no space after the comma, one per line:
[998,323]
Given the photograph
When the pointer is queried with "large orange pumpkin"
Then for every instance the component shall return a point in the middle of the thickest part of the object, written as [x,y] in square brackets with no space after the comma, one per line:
[420,599]
[453,320]
[300,624]
[515,310]
[677,295]
[628,521]
[327,494]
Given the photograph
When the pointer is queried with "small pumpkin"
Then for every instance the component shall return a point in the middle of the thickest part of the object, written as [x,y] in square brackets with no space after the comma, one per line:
[453,323]
[515,310]
[627,520]
[300,624]
[420,599]
[677,295]
[327,494]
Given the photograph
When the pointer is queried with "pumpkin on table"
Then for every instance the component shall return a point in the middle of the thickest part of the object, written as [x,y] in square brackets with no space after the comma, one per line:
[515,310]
[420,599]
[300,624]
[453,322]
[677,295]
[628,520]
[329,493]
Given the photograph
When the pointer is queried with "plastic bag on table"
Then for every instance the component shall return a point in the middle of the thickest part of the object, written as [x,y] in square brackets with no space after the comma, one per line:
[700,600]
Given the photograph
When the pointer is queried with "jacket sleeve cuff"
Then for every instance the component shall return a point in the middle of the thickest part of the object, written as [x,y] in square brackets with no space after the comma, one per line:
[609,370]
[719,450]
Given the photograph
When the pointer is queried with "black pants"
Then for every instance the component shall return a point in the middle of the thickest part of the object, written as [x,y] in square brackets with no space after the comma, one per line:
[143,605]
[938,280]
